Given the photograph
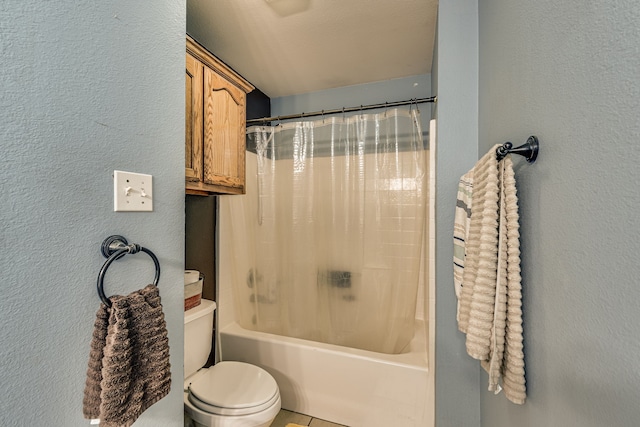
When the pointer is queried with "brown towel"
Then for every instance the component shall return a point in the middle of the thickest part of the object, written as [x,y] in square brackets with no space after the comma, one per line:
[129,366]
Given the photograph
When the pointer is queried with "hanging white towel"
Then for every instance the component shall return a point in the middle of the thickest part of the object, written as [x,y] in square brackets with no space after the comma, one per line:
[490,305]
[461,223]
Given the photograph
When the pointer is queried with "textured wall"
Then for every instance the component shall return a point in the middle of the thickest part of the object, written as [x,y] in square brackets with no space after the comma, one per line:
[87,87]
[456,76]
[569,73]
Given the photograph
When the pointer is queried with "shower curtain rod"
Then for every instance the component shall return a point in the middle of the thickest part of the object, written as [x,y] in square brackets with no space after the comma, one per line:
[344,110]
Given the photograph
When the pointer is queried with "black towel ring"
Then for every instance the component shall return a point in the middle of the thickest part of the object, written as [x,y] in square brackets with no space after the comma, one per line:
[115,247]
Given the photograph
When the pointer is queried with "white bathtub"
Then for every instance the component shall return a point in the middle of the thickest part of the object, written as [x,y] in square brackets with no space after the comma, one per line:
[357,388]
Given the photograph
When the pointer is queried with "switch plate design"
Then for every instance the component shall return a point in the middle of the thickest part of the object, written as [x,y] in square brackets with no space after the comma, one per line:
[132,192]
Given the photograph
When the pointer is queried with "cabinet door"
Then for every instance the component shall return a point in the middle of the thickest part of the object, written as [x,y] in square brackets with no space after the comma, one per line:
[224,132]
[193,119]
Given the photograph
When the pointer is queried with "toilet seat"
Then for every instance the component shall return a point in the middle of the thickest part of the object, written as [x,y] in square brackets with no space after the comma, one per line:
[233,389]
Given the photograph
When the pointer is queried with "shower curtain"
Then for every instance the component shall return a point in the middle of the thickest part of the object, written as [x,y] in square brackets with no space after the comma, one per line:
[326,243]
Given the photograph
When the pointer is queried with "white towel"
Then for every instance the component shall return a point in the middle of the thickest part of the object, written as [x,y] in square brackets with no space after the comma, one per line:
[490,305]
[462,221]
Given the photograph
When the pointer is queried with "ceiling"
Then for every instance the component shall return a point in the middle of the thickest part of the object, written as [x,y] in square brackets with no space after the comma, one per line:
[290,47]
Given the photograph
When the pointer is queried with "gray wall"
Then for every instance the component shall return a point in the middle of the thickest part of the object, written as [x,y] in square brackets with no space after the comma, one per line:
[401,89]
[569,72]
[87,87]
[352,96]
[456,76]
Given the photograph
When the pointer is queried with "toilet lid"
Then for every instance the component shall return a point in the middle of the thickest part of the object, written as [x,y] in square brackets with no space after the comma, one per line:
[233,388]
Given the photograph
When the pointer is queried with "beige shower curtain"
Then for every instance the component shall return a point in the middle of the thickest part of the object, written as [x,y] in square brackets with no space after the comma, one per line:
[326,244]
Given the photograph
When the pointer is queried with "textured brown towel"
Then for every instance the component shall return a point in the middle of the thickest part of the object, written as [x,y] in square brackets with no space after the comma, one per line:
[129,366]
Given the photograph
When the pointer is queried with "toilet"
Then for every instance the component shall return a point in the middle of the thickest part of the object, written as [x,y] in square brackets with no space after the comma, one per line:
[229,393]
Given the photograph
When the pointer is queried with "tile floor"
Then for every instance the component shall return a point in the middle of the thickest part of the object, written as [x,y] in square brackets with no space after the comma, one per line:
[285,417]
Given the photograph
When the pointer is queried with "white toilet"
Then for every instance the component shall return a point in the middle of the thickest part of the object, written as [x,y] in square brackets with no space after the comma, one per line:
[228,394]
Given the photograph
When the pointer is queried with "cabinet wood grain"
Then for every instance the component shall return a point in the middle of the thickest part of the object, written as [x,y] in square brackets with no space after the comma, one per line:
[215,110]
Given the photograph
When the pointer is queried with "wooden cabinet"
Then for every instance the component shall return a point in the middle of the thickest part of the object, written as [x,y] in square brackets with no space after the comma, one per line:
[215,124]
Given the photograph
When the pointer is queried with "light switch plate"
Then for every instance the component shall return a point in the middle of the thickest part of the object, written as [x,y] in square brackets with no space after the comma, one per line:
[132,192]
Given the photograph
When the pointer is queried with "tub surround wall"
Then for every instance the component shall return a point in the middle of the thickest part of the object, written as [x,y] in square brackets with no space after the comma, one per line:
[87,88]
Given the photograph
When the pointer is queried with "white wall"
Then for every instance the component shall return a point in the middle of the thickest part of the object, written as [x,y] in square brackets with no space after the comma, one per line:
[87,87]
[569,72]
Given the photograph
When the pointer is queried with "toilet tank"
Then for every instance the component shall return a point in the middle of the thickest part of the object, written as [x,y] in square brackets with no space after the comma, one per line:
[198,332]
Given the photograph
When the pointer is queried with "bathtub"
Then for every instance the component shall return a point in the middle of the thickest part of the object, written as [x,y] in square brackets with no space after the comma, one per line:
[357,388]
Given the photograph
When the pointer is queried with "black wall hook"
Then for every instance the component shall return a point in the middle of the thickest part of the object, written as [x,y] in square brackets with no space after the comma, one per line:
[529,149]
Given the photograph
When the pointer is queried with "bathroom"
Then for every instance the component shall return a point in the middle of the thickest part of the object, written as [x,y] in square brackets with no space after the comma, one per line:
[388,401]
[74,110]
